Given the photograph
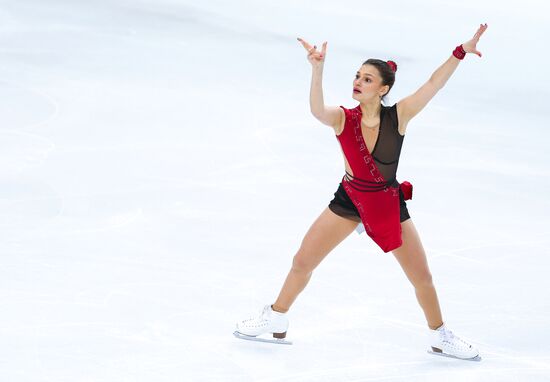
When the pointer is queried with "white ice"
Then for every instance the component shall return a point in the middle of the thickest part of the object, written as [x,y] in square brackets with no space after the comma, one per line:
[159,167]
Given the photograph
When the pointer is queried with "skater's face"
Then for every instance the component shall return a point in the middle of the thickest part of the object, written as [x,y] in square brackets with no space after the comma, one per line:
[368,84]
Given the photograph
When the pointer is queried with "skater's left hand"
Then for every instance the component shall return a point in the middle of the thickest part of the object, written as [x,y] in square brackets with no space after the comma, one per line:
[470,46]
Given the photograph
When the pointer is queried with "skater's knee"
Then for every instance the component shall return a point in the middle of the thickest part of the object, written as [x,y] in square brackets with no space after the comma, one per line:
[423,281]
[302,264]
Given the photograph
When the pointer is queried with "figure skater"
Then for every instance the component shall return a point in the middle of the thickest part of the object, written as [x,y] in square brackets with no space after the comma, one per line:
[369,196]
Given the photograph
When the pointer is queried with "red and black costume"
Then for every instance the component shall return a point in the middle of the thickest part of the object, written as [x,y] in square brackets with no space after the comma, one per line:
[373,187]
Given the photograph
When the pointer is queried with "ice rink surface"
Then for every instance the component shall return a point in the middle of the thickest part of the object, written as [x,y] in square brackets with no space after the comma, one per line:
[159,167]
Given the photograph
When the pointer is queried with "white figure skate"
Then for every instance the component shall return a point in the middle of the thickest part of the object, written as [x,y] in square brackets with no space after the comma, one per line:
[265,321]
[445,343]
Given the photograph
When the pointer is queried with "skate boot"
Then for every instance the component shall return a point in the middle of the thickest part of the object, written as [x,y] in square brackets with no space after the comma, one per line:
[266,321]
[445,343]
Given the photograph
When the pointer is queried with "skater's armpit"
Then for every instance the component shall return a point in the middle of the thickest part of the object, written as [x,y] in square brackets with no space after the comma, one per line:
[411,105]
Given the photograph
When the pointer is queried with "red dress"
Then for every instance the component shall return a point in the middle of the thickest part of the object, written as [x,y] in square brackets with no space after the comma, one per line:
[373,188]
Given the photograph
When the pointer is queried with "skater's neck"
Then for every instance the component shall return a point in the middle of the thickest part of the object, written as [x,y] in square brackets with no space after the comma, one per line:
[371,110]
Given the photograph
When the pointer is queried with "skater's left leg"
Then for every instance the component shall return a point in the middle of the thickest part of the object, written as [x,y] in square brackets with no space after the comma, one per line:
[412,258]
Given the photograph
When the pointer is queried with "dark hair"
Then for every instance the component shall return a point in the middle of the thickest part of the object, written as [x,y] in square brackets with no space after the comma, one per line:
[386,72]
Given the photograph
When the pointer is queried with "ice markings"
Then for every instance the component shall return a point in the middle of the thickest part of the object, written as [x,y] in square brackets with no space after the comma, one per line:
[21,150]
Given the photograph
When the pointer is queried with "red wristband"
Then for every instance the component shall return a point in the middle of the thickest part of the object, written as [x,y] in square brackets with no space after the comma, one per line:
[459,52]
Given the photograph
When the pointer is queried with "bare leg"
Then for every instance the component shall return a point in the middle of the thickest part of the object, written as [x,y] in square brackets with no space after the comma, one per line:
[323,236]
[412,258]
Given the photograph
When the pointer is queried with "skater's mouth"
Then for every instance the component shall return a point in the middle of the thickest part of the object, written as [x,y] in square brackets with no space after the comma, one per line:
[356,90]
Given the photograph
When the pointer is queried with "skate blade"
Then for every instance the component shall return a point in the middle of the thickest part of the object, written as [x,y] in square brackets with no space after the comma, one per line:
[476,358]
[280,341]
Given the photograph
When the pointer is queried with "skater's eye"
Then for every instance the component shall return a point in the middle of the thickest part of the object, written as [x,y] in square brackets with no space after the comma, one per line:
[366,78]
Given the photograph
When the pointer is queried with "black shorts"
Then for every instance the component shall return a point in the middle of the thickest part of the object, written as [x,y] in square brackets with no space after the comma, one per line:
[343,206]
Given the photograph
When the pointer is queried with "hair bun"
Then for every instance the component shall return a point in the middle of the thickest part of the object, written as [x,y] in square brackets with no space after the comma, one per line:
[392,65]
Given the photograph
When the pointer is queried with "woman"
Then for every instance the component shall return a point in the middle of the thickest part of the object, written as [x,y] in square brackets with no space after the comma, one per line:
[370,136]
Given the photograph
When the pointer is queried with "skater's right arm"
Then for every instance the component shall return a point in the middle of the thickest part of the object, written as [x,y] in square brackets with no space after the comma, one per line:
[328,115]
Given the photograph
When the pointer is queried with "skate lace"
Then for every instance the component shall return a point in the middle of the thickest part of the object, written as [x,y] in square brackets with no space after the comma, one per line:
[265,311]
[448,336]
[261,317]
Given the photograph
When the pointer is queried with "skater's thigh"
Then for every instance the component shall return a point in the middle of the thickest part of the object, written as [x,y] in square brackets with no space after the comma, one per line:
[412,257]
[326,232]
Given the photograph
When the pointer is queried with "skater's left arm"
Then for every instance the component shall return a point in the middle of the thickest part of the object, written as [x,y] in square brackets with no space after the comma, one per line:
[410,106]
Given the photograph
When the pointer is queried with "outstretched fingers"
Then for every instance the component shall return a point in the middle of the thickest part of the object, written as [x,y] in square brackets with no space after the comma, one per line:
[471,45]
[306,45]
[324,49]
[312,49]
[482,28]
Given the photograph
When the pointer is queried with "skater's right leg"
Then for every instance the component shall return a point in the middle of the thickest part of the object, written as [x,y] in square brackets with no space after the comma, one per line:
[326,232]
[323,236]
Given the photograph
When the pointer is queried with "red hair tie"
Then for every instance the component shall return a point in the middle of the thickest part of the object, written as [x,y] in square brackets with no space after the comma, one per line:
[392,65]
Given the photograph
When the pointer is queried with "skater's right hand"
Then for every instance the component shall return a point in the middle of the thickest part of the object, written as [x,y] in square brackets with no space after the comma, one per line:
[316,59]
